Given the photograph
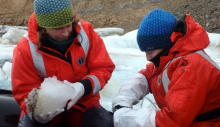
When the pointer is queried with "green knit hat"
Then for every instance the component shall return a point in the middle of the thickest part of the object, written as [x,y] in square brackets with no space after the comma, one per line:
[53,13]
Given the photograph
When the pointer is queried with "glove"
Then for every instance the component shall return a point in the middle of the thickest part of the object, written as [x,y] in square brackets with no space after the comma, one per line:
[132,91]
[117,107]
[48,117]
[128,117]
[31,108]
[78,90]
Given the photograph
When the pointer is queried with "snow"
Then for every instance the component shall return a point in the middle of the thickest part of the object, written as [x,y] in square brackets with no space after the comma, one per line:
[110,31]
[122,48]
[12,36]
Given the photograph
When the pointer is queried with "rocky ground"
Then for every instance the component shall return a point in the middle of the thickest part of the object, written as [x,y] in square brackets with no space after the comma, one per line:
[126,14]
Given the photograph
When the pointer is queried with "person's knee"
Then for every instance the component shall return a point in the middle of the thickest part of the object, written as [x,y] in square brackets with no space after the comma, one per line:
[97,117]
[25,121]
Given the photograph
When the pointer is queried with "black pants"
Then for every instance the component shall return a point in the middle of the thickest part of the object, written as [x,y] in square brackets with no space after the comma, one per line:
[94,117]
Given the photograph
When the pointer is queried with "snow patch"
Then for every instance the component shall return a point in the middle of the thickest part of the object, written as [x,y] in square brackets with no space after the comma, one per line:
[3,76]
[7,69]
[12,36]
[109,31]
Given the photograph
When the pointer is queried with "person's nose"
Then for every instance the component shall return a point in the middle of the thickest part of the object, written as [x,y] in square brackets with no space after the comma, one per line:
[148,56]
[65,32]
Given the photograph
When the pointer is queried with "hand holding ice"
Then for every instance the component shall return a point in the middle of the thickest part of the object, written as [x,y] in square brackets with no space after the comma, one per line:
[77,90]
[52,96]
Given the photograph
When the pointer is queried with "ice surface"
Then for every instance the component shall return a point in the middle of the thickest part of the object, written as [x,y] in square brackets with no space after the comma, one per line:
[109,31]
[13,36]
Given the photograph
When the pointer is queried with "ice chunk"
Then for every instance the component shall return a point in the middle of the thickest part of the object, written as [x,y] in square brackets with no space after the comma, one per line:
[108,93]
[53,94]
[7,69]
[13,36]
[3,76]
[109,31]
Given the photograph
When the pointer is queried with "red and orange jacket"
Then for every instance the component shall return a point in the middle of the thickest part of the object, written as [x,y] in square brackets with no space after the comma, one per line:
[194,82]
[88,61]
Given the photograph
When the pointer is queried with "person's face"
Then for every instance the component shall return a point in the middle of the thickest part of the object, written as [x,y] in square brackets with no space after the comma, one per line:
[151,54]
[60,34]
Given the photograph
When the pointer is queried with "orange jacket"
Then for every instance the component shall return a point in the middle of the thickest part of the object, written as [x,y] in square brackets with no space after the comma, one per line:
[194,86]
[98,64]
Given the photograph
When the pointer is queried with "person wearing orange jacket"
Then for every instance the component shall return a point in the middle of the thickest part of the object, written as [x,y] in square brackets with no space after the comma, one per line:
[59,44]
[183,79]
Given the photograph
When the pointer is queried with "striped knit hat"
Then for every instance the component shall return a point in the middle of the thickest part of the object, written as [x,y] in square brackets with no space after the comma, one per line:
[53,13]
[155,30]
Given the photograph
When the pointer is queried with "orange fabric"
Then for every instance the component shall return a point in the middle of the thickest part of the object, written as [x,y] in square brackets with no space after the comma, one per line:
[194,86]
[25,77]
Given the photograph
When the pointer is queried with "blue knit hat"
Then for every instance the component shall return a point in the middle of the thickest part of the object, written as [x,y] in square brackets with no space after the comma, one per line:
[155,30]
[53,13]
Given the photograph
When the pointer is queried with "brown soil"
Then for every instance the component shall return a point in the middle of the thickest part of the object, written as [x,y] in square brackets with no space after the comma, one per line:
[126,14]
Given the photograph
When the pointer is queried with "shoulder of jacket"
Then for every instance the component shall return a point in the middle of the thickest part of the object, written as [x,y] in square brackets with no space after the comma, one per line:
[23,44]
[86,24]
[192,60]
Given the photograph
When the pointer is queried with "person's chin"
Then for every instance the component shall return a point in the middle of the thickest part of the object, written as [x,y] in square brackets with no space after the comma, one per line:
[62,40]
